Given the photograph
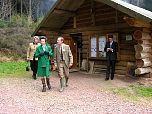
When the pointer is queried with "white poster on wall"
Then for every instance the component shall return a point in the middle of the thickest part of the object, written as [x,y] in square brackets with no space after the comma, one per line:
[93,47]
[102,43]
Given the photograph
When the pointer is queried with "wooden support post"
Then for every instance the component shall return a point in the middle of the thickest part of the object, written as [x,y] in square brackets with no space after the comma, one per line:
[74,22]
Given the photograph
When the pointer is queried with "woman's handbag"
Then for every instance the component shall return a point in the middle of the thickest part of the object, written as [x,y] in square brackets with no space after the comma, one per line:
[27,67]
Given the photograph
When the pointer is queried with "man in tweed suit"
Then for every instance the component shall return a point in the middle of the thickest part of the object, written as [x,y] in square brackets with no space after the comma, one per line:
[63,60]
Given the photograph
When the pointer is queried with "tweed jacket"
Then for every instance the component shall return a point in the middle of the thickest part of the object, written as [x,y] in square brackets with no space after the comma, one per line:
[67,55]
[31,51]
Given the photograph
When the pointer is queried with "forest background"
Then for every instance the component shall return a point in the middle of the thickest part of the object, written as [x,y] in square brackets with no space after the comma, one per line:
[19,18]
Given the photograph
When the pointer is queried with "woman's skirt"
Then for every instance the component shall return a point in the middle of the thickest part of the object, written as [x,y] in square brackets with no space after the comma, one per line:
[43,71]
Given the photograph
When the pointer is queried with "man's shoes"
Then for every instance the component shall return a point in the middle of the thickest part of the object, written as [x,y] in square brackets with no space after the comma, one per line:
[66,81]
[106,79]
[62,84]
[111,78]
[44,88]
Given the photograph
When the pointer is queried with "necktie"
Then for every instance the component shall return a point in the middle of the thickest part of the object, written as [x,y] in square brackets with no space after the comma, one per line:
[61,54]
[110,45]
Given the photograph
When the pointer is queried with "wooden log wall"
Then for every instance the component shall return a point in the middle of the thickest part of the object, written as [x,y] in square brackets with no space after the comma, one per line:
[100,15]
[143,52]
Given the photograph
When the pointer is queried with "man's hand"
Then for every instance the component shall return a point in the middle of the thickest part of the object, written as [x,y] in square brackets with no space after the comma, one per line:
[70,65]
[109,49]
[54,67]
[28,59]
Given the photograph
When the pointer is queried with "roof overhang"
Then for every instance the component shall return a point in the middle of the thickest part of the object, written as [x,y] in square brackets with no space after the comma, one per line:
[58,15]
[64,9]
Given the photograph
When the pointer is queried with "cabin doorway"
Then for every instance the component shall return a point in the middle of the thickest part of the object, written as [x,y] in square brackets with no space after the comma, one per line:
[77,37]
[73,46]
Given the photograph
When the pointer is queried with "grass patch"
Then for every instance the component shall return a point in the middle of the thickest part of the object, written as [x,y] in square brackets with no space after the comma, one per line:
[137,93]
[13,69]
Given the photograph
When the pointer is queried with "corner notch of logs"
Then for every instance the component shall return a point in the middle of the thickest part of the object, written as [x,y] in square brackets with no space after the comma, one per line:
[143,50]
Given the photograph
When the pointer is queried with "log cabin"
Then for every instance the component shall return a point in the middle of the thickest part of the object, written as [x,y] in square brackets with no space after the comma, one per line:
[85,24]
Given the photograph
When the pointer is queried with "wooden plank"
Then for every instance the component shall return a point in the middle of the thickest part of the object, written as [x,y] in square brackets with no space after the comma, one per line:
[127,58]
[85,42]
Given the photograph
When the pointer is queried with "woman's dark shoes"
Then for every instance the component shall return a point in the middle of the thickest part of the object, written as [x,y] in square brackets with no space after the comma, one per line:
[48,83]
[27,68]
[44,88]
[34,76]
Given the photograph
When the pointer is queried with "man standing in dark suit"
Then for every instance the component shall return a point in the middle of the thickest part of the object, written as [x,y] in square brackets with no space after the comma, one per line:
[111,49]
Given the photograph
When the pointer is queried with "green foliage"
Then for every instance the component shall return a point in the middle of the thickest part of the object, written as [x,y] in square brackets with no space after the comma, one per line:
[14,41]
[135,93]
[3,23]
[20,21]
[144,91]
[13,69]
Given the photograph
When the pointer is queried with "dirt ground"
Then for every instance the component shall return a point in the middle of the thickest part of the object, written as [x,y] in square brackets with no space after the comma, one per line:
[86,94]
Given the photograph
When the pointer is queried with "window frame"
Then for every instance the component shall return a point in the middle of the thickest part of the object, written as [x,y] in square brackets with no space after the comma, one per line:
[97,44]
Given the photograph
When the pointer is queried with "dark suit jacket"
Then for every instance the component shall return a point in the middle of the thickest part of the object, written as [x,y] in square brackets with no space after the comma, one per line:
[111,55]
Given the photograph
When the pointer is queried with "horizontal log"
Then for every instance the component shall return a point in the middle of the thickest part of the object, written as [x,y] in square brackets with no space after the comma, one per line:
[84,55]
[85,46]
[120,72]
[140,35]
[86,42]
[140,71]
[127,52]
[127,58]
[121,63]
[143,63]
[147,75]
[145,42]
[121,68]
[142,48]
[101,67]
[126,46]
[84,50]
[137,23]
[143,55]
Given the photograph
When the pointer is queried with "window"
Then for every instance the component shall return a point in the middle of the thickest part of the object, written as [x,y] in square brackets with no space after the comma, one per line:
[97,45]
[93,46]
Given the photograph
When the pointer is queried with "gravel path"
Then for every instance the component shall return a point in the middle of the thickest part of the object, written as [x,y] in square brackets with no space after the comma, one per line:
[84,95]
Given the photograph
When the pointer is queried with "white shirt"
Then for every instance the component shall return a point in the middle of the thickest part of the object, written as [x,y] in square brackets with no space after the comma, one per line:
[44,47]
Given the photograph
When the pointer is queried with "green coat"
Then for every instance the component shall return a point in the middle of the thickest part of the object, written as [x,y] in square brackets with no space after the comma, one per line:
[43,61]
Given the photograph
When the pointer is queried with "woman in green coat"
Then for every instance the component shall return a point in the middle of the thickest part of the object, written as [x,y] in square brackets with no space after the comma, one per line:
[43,53]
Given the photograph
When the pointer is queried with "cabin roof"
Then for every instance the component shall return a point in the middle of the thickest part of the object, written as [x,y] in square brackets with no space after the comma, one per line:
[62,10]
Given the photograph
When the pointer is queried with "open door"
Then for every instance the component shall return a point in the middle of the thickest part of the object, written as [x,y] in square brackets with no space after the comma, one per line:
[73,46]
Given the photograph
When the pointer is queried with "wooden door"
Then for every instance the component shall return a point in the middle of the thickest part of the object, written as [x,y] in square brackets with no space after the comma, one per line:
[73,46]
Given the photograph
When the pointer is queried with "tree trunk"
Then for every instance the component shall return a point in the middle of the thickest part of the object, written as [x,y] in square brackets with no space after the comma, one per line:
[139,35]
